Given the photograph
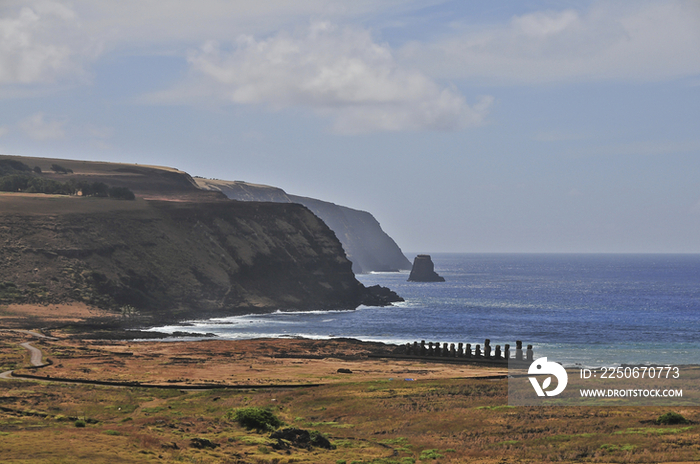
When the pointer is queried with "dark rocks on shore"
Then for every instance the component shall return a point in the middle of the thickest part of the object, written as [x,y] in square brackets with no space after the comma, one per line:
[424,270]
[376,295]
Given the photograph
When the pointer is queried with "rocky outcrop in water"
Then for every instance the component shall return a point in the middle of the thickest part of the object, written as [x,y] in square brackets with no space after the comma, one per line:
[424,270]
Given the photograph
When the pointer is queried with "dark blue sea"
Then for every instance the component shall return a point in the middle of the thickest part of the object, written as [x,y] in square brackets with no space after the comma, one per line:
[575,308]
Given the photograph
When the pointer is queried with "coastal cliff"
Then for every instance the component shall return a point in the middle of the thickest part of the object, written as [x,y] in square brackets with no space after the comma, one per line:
[365,243]
[190,254]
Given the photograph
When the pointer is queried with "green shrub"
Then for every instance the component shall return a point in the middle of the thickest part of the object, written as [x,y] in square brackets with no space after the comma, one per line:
[671,418]
[429,454]
[80,423]
[255,418]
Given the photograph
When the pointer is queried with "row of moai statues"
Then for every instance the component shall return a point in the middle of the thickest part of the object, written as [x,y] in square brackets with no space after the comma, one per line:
[446,350]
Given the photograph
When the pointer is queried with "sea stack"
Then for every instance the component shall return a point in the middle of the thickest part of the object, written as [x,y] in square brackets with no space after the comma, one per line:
[424,271]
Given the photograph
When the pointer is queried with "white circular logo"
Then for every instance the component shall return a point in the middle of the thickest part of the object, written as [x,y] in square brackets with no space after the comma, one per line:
[542,366]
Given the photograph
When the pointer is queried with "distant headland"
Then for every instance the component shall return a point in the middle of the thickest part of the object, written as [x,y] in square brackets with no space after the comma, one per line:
[368,247]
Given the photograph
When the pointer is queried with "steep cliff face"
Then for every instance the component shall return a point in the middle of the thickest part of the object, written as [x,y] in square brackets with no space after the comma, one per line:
[173,259]
[365,243]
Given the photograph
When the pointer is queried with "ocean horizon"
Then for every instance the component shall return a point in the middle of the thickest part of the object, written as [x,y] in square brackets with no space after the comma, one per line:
[577,309]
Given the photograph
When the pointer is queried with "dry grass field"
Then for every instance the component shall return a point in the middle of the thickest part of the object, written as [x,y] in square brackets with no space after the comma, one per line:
[446,414]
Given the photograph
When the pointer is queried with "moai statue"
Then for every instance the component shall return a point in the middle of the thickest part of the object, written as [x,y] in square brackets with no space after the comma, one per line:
[487,348]
[430,349]
[506,352]
[423,349]
[497,355]
[477,351]
[416,349]
[518,350]
[445,349]
[468,350]
[530,353]
[453,353]
[460,350]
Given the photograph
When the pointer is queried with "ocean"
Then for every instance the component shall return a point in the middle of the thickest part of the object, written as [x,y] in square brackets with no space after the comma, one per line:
[577,309]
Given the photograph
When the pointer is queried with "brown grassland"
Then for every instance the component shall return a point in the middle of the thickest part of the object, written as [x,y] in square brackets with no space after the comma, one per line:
[446,414]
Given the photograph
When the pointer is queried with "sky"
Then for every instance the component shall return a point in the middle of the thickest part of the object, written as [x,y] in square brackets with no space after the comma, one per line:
[463,126]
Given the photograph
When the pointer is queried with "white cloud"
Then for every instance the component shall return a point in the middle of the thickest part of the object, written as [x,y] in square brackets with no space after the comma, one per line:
[37,127]
[339,72]
[40,43]
[650,40]
[43,40]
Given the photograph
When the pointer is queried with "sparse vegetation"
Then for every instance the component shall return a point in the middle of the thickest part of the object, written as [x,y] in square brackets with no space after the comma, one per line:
[31,184]
[445,421]
[16,176]
[9,292]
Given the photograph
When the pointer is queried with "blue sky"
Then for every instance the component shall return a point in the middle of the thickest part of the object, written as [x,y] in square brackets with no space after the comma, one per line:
[466,126]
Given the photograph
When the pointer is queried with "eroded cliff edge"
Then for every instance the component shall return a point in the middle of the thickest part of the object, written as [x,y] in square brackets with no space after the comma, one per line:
[365,243]
[175,252]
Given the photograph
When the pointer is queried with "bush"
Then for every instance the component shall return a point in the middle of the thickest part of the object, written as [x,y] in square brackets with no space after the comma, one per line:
[80,423]
[671,418]
[255,418]
[48,186]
